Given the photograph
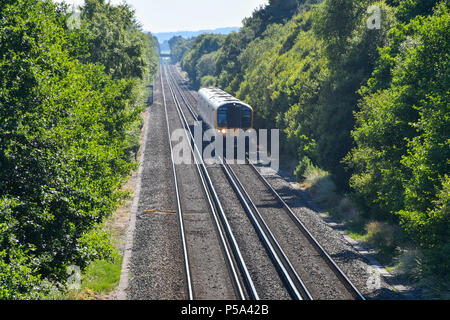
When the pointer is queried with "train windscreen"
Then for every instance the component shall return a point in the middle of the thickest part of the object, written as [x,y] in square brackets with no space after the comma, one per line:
[234,115]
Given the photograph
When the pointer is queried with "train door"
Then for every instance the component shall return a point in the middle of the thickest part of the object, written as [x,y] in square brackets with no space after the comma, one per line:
[234,115]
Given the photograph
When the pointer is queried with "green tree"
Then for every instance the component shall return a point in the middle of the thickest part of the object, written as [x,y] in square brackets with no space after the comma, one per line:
[178,48]
[401,158]
[351,50]
[64,147]
[202,45]
[206,65]
[115,40]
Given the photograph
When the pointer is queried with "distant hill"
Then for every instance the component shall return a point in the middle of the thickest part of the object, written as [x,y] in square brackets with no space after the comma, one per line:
[165,36]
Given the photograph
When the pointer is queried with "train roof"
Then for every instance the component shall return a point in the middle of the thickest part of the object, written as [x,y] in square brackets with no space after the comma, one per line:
[219,97]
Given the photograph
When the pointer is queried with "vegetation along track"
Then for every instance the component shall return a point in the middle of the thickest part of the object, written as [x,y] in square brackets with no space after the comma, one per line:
[304,267]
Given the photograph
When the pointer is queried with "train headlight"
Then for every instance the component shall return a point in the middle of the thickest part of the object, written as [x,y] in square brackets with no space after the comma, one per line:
[224,131]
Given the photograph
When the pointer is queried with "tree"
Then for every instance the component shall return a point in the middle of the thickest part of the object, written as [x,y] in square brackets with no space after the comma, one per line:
[401,157]
[202,45]
[115,40]
[178,48]
[64,145]
[352,51]
[206,65]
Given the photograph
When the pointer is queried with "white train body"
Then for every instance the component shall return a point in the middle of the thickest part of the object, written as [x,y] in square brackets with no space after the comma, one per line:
[223,112]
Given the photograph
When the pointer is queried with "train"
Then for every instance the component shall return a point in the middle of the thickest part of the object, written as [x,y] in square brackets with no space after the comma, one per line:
[224,113]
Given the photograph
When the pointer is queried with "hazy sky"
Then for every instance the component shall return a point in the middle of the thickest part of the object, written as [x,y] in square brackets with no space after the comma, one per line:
[191,15]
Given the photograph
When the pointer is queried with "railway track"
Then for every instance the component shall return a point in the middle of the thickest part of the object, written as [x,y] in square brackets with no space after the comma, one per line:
[192,99]
[242,284]
[187,269]
[302,266]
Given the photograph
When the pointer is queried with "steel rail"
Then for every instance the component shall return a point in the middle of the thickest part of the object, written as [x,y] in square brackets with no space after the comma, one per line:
[295,285]
[211,205]
[331,263]
[185,85]
[210,191]
[179,209]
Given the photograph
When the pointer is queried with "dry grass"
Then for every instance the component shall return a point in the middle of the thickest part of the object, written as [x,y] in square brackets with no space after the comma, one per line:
[321,186]
[380,233]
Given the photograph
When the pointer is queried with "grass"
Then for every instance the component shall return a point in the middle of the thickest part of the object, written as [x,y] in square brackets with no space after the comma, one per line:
[103,276]
[100,278]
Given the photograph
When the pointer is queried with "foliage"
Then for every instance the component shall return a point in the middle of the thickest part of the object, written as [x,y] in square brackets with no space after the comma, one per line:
[208,81]
[351,52]
[401,157]
[206,65]
[202,45]
[65,145]
[409,9]
[178,48]
[369,106]
[115,40]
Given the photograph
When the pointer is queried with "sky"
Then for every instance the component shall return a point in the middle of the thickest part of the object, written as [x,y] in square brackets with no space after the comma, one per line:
[188,15]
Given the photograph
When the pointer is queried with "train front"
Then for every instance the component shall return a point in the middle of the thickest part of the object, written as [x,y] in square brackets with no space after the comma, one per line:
[233,118]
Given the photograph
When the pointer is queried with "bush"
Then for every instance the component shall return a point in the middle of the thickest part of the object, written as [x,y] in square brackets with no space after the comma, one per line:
[348,211]
[65,139]
[303,165]
[402,149]
[383,237]
[208,81]
[19,278]
[319,182]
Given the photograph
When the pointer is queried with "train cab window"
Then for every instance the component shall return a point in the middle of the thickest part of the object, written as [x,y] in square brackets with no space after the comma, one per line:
[246,117]
[222,118]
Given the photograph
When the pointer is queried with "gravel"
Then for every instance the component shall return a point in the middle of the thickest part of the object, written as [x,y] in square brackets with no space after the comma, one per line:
[156,268]
[157,264]
[209,269]
[263,273]
[320,280]
[352,263]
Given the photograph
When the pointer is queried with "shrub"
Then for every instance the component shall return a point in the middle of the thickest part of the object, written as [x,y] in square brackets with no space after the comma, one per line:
[383,237]
[348,211]
[208,81]
[65,139]
[302,166]
[321,184]
[19,279]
